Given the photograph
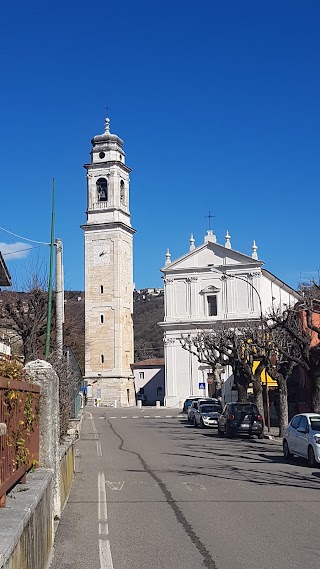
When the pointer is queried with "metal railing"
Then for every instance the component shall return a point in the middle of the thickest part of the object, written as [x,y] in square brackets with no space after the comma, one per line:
[19,446]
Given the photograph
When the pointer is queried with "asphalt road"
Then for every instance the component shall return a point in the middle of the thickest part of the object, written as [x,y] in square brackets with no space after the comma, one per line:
[152,492]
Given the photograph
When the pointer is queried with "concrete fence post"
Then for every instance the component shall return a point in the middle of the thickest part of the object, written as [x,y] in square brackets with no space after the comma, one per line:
[158,404]
[43,374]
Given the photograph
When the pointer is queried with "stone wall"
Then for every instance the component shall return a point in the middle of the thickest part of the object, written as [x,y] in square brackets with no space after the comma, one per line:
[67,456]
[27,525]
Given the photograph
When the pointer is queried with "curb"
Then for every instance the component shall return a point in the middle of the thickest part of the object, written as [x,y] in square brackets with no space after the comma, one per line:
[273,438]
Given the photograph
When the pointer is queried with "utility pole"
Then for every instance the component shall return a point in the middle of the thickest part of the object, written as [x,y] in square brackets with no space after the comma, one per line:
[49,311]
[59,298]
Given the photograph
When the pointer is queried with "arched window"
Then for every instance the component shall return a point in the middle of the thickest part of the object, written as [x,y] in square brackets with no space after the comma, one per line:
[121,191]
[102,189]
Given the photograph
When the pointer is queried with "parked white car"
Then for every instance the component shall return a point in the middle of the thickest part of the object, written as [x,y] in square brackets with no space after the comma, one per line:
[207,415]
[302,438]
[195,406]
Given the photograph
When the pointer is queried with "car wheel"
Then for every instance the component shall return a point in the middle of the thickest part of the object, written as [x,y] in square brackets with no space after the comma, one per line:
[202,425]
[195,423]
[261,436]
[220,432]
[227,433]
[311,457]
[286,451]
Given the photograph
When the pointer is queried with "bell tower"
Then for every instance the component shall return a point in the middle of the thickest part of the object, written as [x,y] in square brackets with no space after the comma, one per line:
[108,273]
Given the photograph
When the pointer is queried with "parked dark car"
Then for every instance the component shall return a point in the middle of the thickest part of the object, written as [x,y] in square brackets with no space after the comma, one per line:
[240,418]
[188,402]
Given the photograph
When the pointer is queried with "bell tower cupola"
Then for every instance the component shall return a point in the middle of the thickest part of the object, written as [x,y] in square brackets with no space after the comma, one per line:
[108,180]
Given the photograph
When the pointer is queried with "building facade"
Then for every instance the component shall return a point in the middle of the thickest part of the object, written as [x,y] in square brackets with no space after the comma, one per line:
[108,273]
[211,285]
[149,379]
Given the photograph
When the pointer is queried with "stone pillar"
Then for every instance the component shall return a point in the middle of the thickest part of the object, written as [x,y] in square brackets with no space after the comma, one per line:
[43,374]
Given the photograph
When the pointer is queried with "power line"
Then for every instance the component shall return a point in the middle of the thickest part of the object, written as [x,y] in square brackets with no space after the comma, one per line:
[24,238]
[21,250]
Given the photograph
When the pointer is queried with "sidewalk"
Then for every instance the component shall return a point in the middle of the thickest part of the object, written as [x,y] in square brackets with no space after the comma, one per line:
[273,434]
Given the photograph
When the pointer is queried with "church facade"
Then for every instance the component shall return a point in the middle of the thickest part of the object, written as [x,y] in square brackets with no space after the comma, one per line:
[108,273]
[211,285]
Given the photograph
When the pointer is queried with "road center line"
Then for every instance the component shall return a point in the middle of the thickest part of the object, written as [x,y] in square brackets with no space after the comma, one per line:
[104,544]
[96,436]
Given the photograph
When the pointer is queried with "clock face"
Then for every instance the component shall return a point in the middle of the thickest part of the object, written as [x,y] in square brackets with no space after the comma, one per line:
[101,254]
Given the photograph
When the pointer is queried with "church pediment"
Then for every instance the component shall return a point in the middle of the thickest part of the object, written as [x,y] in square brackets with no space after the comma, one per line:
[213,256]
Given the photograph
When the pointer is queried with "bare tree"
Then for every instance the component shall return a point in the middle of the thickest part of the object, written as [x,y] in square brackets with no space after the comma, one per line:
[238,347]
[26,314]
[69,385]
[301,324]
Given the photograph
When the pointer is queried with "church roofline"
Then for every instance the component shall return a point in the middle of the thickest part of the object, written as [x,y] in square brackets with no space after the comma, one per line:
[251,262]
[281,284]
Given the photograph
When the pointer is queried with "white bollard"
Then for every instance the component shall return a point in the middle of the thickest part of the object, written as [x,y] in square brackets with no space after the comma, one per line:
[157,404]
[115,403]
[139,403]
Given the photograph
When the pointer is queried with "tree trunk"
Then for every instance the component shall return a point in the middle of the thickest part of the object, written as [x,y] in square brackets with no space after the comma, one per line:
[316,392]
[283,410]
[257,389]
[242,392]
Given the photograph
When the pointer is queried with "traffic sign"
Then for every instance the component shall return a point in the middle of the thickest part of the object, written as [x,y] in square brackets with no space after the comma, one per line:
[202,385]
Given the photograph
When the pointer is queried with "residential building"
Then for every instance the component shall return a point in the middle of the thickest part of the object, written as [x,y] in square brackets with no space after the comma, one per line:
[149,379]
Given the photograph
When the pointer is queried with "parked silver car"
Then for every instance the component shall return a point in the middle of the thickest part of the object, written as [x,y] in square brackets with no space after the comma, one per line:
[207,415]
[195,405]
[302,438]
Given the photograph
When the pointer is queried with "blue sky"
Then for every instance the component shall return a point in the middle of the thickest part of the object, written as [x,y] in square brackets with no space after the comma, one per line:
[218,105]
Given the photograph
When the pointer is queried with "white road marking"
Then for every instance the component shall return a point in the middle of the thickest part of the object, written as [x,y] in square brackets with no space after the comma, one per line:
[124,417]
[115,485]
[102,499]
[146,416]
[135,417]
[104,544]
[112,417]
[168,416]
[96,436]
[103,528]
[194,486]
[105,554]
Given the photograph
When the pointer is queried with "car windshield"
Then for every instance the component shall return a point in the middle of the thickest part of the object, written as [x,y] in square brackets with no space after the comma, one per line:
[247,409]
[210,409]
[315,423]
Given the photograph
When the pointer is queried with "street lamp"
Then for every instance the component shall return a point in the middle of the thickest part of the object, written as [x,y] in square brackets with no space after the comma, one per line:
[233,276]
